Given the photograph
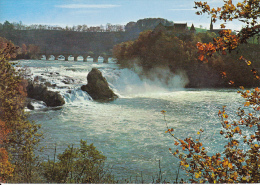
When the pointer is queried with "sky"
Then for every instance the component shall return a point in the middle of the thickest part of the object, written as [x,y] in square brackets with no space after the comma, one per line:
[100,12]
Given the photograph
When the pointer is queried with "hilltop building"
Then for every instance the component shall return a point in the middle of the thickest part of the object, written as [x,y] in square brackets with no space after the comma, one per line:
[211,29]
[177,28]
[192,29]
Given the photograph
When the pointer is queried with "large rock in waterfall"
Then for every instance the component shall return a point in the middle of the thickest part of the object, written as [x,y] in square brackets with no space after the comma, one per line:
[98,87]
[40,92]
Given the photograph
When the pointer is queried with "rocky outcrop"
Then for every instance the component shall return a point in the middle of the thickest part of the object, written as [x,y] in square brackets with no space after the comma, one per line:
[40,92]
[30,106]
[68,80]
[98,87]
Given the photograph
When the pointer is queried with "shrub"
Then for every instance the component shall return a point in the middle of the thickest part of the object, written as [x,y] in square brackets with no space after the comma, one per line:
[78,165]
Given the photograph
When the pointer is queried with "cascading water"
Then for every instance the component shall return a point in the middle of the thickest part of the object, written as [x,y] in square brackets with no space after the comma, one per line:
[129,131]
[128,83]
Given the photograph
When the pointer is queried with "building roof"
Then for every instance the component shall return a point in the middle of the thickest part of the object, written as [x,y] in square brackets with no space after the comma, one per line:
[192,28]
[180,26]
[177,27]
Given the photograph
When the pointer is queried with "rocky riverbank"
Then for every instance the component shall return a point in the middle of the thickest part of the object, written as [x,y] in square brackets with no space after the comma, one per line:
[39,91]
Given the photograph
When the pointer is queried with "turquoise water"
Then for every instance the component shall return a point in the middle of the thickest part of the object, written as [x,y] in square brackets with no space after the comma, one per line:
[129,131]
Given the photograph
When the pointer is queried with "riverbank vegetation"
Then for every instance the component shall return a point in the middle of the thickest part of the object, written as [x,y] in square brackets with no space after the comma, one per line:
[21,52]
[179,52]
[19,137]
[77,165]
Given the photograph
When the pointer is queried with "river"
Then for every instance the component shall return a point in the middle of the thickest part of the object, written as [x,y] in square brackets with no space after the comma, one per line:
[129,131]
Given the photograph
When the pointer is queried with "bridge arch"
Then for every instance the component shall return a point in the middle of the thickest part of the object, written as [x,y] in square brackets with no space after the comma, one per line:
[43,57]
[87,58]
[50,57]
[80,58]
[61,57]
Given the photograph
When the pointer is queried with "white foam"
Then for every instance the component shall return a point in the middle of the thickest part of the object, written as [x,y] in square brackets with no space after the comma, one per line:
[127,83]
[67,77]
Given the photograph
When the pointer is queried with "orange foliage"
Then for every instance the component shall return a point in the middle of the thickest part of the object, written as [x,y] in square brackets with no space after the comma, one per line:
[246,11]
[11,98]
[6,168]
[18,136]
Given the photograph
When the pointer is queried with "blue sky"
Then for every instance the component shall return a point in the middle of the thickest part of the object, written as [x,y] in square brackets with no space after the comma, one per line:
[97,12]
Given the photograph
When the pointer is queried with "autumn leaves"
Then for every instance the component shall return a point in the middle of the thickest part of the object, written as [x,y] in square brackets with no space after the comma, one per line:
[240,161]
[246,11]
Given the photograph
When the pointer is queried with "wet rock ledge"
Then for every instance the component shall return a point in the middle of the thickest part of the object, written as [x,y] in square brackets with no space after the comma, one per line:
[41,93]
[98,87]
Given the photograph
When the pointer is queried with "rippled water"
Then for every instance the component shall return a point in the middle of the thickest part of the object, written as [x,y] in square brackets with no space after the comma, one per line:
[130,131]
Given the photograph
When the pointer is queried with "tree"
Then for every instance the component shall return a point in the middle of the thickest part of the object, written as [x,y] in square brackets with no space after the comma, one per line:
[20,24]
[19,137]
[7,26]
[238,163]
[78,165]
[24,49]
[79,28]
[33,50]
[84,28]
[246,12]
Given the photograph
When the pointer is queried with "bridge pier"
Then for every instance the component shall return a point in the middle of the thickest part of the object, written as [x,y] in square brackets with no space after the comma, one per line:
[75,58]
[85,58]
[95,59]
[66,57]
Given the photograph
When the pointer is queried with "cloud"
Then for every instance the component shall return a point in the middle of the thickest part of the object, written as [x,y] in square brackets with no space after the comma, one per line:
[84,6]
[80,12]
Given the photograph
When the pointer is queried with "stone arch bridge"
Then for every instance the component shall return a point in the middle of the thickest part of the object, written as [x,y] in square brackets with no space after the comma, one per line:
[84,55]
[66,43]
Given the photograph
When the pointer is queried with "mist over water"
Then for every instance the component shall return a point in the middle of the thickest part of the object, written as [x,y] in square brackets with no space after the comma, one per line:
[128,83]
[132,83]
[129,131]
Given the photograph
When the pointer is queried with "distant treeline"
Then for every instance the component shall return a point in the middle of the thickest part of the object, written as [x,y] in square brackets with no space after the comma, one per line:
[80,28]
[140,25]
